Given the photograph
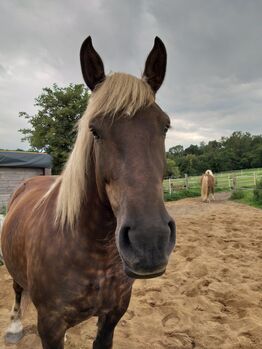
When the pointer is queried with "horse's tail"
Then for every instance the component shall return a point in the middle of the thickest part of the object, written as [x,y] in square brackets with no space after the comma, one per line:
[204,187]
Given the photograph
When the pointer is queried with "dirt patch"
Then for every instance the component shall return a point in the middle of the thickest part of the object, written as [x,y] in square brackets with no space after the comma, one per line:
[209,298]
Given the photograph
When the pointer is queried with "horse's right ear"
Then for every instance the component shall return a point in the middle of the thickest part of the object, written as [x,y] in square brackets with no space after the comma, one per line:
[155,67]
[91,64]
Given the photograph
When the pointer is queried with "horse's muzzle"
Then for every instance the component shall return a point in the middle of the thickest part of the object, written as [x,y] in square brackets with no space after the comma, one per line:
[143,275]
[145,250]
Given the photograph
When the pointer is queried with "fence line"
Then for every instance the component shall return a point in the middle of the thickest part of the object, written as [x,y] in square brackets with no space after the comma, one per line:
[226,181]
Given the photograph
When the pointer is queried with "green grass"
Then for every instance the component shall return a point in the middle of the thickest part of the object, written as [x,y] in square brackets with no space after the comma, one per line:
[245,179]
[224,182]
[247,198]
[178,195]
[238,195]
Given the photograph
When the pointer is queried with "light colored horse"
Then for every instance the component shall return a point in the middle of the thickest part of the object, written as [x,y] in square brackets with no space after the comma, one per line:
[207,186]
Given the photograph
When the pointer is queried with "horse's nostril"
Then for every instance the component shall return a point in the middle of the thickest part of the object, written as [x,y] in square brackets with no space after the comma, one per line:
[172,227]
[124,237]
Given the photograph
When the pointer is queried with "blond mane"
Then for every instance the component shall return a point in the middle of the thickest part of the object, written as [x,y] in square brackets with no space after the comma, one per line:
[209,172]
[119,95]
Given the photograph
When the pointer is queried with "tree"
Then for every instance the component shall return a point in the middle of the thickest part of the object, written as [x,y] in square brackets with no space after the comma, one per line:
[53,126]
[188,165]
[171,168]
[178,150]
[239,151]
[192,149]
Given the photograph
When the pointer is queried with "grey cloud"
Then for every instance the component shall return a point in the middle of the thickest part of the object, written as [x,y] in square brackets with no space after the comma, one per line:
[3,71]
[213,84]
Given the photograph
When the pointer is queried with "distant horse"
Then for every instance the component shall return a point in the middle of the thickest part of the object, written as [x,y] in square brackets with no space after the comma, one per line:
[76,243]
[207,186]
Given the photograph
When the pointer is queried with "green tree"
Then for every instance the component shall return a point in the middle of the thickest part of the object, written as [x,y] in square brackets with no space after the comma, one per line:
[176,151]
[192,149]
[172,169]
[53,126]
[239,151]
[188,165]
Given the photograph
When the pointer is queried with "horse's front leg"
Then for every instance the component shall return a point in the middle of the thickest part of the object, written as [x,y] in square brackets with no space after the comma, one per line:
[106,327]
[15,331]
[108,322]
[51,328]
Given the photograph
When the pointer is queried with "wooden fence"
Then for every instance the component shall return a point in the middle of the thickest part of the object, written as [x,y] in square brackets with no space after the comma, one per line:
[224,181]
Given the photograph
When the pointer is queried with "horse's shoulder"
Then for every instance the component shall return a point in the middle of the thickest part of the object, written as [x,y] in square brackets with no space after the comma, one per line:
[39,183]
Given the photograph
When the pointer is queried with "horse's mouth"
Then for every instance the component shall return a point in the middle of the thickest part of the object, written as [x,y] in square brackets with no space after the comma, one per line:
[143,274]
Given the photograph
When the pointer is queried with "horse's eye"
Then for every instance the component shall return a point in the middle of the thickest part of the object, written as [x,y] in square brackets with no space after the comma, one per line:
[94,133]
[166,128]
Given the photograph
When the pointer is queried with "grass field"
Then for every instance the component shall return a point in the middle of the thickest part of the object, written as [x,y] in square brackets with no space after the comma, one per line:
[248,198]
[245,179]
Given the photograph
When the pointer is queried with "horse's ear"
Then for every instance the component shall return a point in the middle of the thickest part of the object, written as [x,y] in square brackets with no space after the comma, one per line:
[155,67]
[91,64]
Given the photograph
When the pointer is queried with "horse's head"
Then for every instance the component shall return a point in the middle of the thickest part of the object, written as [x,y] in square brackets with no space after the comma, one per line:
[129,157]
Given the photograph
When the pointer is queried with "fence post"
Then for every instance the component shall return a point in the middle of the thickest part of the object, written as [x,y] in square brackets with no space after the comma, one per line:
[186,181]
[169,186]
[255,179]
[229,183]
[234,183]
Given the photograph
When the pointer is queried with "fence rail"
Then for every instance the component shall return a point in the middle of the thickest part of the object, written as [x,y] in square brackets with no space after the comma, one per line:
[244,180]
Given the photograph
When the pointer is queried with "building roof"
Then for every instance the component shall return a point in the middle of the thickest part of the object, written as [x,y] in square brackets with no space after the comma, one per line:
[25,159]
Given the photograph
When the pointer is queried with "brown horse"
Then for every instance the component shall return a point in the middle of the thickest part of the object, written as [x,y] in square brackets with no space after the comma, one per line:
[207,186]
[76,243]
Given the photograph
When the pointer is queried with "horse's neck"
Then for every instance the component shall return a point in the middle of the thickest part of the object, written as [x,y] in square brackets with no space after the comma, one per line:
[96,217]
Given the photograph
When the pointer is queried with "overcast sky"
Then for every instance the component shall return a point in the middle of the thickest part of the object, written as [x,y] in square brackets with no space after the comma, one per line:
[213,84]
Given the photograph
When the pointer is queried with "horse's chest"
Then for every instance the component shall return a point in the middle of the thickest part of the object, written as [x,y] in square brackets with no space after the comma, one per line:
[102,294]
[109,291]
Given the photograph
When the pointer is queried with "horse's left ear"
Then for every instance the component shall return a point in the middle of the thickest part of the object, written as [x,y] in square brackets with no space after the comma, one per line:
[91,64]
[155,67]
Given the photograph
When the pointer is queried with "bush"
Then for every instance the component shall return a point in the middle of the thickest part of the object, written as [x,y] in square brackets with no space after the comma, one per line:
[258,192]
[3,210]
[181,194]
[238,194]
[219,189]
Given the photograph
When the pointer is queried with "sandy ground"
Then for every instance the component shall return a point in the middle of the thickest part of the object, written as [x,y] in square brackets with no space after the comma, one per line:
[209,298]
